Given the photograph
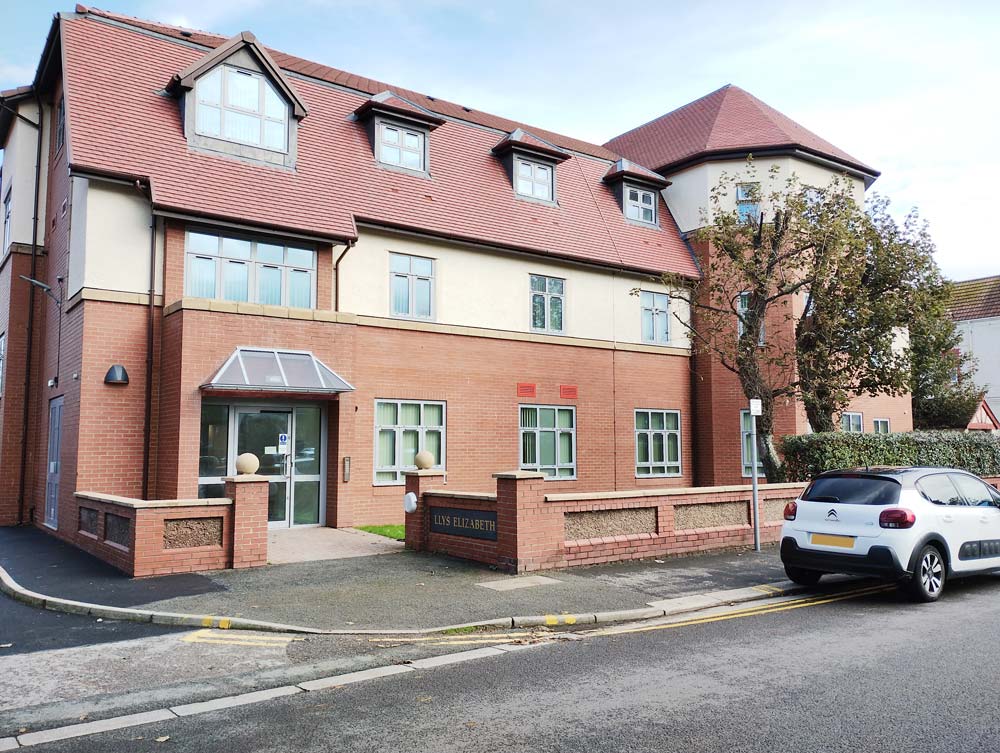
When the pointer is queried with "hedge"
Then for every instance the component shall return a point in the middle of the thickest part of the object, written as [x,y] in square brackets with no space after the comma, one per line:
[809,454]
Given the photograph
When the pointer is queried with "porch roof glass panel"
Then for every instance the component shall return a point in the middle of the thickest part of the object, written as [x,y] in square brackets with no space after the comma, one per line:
[252,369]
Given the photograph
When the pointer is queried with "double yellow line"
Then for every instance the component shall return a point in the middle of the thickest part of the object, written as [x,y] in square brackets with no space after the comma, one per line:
[243,639]
[781,606]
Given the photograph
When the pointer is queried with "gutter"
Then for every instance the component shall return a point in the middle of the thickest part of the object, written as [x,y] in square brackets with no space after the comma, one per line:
[31,310]
[150,328]
[336,274]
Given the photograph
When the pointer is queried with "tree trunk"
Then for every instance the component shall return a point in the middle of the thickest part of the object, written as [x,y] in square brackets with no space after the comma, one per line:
[774,469]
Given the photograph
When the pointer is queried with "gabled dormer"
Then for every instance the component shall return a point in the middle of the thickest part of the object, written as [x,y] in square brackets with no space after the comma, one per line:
[637,191]
[530,163]
[236,101]
[398,132]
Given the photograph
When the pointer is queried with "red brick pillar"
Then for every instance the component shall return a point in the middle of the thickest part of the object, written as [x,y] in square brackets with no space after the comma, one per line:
[418,522]
[249,495]
[530,533]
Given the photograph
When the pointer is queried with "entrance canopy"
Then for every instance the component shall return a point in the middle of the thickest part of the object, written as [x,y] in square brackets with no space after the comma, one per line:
[276,371]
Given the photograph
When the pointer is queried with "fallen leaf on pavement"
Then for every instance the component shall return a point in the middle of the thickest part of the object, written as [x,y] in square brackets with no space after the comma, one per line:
[163,739]
[6,645]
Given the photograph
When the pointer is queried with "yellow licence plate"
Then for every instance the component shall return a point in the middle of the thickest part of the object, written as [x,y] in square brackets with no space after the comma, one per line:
[827,539]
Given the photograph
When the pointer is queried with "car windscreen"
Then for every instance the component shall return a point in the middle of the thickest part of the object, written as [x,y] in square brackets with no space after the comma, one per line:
[853,489]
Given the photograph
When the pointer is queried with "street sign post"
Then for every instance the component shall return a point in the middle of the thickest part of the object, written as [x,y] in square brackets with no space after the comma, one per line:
[756,408]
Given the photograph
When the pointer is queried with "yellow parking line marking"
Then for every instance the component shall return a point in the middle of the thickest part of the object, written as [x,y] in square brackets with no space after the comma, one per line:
[761,609]
[768,589]
[211,636]
[429,638]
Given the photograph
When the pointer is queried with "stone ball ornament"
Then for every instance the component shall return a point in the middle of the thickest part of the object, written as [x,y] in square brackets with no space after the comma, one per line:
[423,460]
[247,464]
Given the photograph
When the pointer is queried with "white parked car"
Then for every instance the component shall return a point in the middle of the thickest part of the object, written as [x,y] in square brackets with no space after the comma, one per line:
[917,526]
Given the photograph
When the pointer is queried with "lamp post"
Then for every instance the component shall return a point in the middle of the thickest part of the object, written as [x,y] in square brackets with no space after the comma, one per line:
[756,408]
[47,289]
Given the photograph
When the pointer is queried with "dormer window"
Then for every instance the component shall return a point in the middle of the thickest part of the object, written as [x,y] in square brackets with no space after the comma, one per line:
[533,179]
[640,205]
[401,147]
[243,107]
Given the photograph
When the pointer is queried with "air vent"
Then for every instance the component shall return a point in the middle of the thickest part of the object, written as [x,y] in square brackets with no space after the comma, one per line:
[524,389]
[567,391]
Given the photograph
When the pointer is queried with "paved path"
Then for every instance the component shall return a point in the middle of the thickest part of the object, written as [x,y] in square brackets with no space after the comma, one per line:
[870,673]
[404,589]
[313,544]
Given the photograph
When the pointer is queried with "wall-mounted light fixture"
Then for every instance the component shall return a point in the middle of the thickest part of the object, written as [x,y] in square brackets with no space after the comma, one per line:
[116,375]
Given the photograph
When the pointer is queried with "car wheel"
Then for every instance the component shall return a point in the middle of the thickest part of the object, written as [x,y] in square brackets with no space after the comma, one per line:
[927,580]
[802,576]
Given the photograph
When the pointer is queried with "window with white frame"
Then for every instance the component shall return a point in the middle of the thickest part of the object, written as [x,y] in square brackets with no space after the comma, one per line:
[533,179]
[247,270]
[746,444]
[655,317]
[402,429]
[640,204]
[742,309]
[402,147]
[6,218]
[412,286]
[748,201]
[60,123]
[3,360]
[547,295]
[852,422]
[882,426]
[657,443]
[243,107]
[548,440]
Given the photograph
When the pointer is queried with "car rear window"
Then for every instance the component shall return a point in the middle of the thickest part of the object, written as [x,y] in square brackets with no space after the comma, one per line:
[853,489]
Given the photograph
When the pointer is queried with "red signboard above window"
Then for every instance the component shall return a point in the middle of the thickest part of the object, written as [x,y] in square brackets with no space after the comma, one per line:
[567,391]
[525,389]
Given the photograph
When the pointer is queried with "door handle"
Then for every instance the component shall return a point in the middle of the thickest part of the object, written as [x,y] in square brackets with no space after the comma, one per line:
[947,518]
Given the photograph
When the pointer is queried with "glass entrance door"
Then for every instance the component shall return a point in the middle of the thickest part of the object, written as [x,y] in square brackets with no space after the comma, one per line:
[289,443]
[267,434]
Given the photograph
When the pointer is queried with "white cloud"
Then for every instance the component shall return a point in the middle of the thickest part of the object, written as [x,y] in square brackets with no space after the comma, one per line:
[12,75]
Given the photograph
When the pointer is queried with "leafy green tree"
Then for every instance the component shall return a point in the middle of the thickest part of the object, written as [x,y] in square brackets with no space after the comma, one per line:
[808,298]
[945,394]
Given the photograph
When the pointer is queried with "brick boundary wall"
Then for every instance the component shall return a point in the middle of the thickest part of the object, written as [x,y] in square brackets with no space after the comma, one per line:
[244,530]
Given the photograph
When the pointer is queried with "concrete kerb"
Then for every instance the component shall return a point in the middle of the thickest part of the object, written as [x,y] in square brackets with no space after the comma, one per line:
[654,609]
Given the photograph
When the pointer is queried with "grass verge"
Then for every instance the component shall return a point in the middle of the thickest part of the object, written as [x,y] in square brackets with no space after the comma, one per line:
[393,532]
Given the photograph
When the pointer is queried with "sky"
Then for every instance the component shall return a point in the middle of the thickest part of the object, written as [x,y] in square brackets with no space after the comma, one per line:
[907,87]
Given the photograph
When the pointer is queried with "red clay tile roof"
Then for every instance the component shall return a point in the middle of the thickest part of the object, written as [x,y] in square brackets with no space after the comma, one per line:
[975,299]
[727,120]
[137,133]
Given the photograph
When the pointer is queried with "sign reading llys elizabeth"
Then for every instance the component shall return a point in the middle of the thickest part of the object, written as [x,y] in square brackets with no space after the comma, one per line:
[476,524]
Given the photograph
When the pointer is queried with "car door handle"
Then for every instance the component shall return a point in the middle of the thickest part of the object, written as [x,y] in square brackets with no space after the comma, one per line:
[947,518]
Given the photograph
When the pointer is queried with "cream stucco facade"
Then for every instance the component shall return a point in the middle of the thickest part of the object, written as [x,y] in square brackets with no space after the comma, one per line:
[690,189]
[18,177]
[981,338]
[487,289]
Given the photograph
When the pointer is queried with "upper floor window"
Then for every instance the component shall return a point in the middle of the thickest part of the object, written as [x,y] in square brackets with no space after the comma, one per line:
[640,204]
[852,422]
[742,309]
[3,360]
[655,317]
[748,201]
[243,107]
[6,219]
[253,271]
[402,147]
[533,179]
[882,426]
[548,440]
[412,286]
[60,123]
[657,443]
[547,303]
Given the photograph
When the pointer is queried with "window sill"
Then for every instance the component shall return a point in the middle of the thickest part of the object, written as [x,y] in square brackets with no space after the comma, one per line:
[536,200]
[403,170]
[407,318]
[647,225]
[561,333]
[660,475]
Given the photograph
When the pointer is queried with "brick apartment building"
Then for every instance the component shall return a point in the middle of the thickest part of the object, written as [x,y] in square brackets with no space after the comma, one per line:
[249,252]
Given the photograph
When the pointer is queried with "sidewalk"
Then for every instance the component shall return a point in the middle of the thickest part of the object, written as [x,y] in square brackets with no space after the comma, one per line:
[400,590]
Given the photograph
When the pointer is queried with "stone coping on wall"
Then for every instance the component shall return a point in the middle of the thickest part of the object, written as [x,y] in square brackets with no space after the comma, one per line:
[141,504]
[676,491]
[478,496]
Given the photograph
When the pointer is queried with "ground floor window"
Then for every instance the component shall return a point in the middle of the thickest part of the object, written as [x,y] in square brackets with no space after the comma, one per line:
[402,429]
[548,440]
[657,443]
[852,422]
[746,426]
[882,426]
